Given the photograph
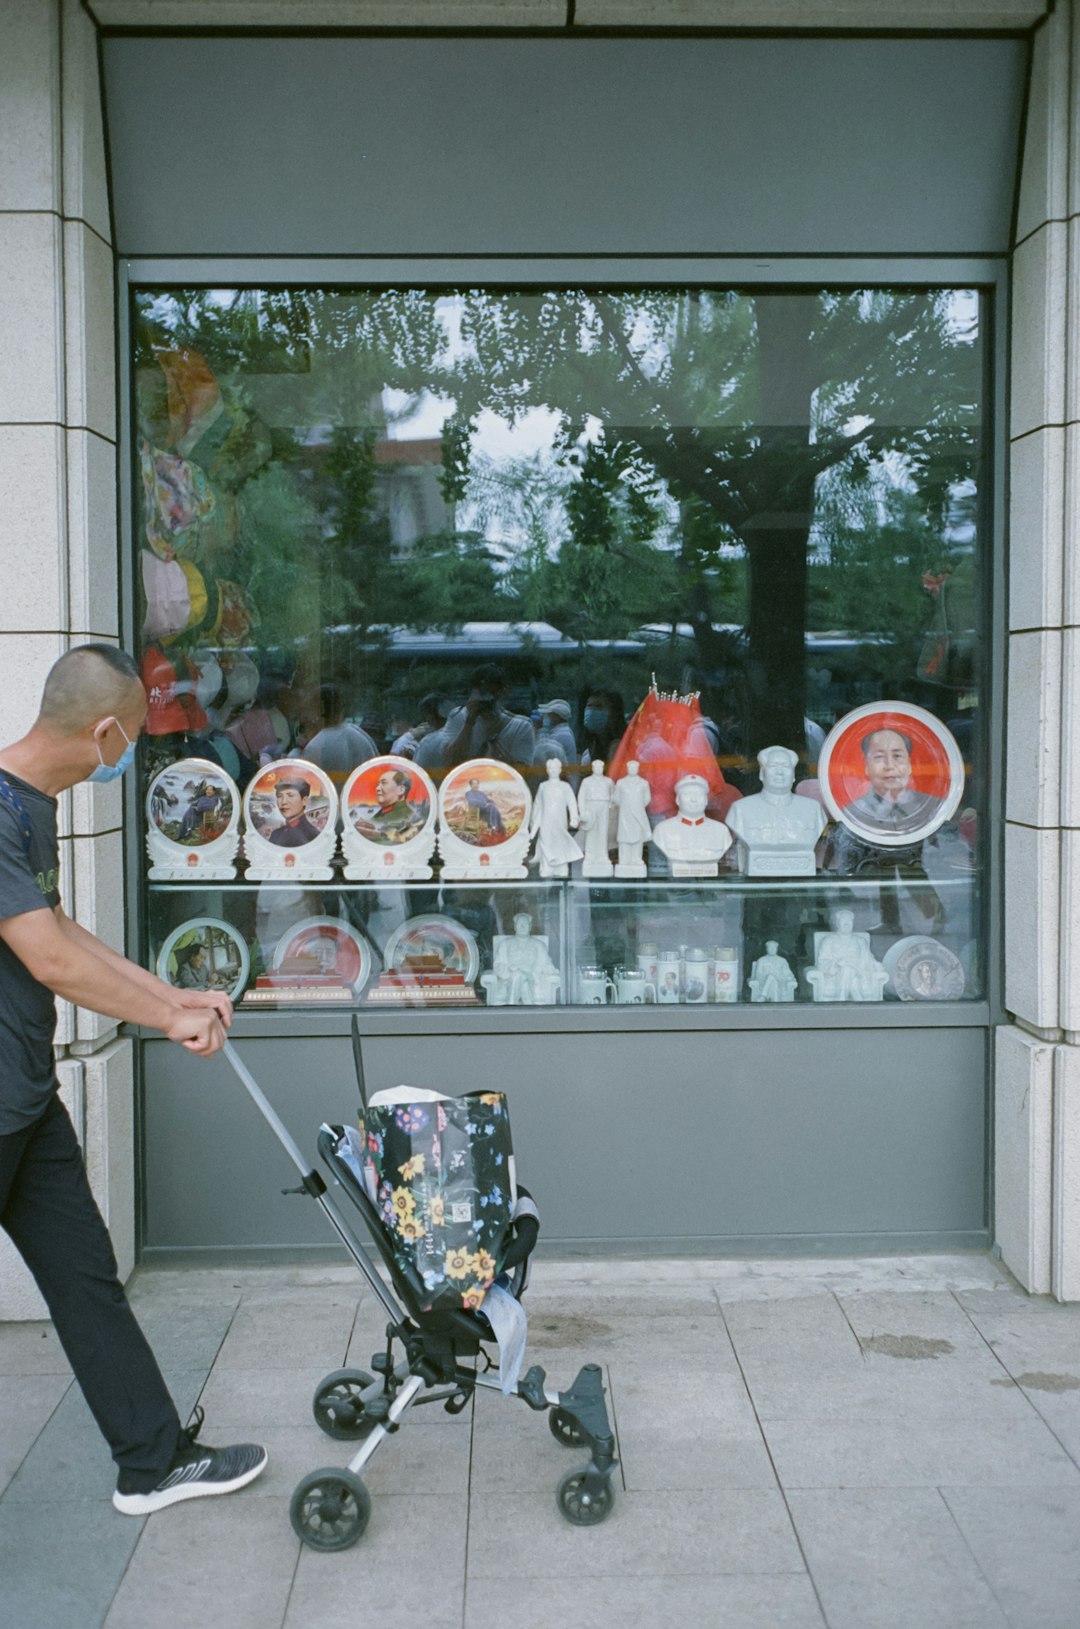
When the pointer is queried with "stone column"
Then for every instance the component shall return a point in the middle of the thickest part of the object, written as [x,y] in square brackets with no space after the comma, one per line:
[1037,1097]
[58,534]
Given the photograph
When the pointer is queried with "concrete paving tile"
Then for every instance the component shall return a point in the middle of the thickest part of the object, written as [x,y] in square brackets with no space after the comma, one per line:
[730,1602]
[926,1326]
[892,1559]
[524,1536]
[917,1454]
[31,1348]
[285,1334]
[1061,1412]
[803,1330]
[513,1450]
[882,1391]
[209,1559]
[27,1403]
[70,1452]
[250,1398]
[186,1336]
[410,1563]
[684,1437]
[1034,1342]
[765,1279]
[1025,1541]
[61,1563]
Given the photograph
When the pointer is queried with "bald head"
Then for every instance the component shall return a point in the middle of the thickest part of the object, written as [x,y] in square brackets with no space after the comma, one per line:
[90,683]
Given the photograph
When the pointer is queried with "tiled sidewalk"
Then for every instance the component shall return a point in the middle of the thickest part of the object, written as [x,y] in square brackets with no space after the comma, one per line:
[870,1444]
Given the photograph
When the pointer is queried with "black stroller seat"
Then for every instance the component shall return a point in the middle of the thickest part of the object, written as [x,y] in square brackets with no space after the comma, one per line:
[439,1349]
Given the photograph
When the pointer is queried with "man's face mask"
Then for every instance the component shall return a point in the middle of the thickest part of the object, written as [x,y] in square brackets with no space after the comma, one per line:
[113,772]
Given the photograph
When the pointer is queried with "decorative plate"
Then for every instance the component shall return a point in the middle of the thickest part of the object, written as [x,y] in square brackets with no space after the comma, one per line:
[205,954]
[437,936]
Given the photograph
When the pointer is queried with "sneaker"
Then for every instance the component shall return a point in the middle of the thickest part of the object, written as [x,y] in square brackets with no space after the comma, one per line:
[195,1473]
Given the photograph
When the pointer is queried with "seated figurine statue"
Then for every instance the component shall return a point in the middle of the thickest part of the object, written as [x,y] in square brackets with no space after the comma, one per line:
[844,966]
[771,978]
[522,974]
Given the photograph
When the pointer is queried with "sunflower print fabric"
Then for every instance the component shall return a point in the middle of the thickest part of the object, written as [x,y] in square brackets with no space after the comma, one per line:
[443,1176]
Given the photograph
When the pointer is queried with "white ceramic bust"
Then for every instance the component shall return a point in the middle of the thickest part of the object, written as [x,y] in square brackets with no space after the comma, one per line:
[778,829]
[691,840]
[523,970]
[554,814]
[594,809]
[845,968]
[771,978]
[631,797]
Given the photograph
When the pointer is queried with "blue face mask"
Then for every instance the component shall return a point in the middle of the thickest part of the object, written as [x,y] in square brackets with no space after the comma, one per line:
[113,772]
[596,720]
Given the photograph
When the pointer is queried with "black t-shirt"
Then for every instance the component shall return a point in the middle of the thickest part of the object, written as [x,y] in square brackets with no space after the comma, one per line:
[29,881]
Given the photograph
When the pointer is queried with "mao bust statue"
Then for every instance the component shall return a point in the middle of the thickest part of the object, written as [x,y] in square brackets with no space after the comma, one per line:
[777,828]
[692,842]
[844,967]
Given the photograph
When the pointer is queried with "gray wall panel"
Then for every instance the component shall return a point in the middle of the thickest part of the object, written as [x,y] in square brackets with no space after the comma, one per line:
[805,1135]
[473,146]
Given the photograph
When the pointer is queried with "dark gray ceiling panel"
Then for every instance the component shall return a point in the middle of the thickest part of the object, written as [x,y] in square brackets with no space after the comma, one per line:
[360,146]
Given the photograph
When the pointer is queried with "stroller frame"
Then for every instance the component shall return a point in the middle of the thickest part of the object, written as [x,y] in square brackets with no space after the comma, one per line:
[330,1507]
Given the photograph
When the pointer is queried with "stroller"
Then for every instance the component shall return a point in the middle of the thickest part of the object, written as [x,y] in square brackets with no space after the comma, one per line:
[330,1508]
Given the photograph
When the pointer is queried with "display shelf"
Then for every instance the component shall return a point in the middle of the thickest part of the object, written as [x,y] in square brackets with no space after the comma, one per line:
[657,942]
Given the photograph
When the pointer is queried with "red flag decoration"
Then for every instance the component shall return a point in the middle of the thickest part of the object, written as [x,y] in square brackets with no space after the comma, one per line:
[668,738]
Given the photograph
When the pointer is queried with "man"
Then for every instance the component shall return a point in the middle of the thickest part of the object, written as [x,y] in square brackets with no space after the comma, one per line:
[292,799]
[484,727]
[555,719]
[891,803]
[92,710]
[338,748]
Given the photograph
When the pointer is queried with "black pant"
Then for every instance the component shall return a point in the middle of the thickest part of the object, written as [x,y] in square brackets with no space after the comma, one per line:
[47,1208]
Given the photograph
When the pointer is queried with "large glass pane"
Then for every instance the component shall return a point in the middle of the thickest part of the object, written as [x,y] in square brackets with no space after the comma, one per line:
[478,522]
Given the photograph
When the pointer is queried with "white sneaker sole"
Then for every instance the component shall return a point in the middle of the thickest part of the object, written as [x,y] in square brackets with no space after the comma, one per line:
[144,1504]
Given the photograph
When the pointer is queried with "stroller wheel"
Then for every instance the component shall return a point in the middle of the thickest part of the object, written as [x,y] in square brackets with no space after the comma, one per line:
[330,1509]
[585,1498]
[565,1428]
[338,1405]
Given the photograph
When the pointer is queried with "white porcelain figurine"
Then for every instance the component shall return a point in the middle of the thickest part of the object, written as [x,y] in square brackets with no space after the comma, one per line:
[691,840]
[594,808]
[777,827]
[631,798]
[771,979]
[554,814]
[844,966]
[523,974]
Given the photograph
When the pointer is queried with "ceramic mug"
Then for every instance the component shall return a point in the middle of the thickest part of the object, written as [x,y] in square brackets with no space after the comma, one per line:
[669,977]
[696,969]
[647,964]
[593,986]
[631,986]
[726,974]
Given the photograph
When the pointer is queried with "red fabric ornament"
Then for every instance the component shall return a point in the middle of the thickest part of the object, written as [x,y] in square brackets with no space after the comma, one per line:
[166,714]
[668,739]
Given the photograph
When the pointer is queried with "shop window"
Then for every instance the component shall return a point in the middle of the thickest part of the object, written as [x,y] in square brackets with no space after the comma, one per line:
[473,528]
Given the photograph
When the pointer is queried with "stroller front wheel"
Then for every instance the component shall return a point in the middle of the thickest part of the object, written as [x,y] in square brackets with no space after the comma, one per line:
[338,1404]
[565,1428]
[585,1498]
[330,1509]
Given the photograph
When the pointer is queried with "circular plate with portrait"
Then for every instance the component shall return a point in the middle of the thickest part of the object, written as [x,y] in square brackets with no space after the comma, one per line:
[290,803]
[388,801]
[205,954]
[891,773]
[484,803]
[324,948]
[921,969]
[192,803]
[434,938]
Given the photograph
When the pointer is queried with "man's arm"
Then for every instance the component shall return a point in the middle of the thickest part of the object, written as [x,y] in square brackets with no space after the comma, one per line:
[138,975]
[63,964]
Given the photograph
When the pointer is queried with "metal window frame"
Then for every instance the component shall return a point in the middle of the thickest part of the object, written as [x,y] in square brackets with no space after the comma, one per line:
[990,274]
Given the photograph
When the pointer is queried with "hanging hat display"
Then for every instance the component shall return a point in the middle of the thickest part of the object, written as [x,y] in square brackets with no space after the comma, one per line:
[197,593]
[168,597]
[193,395]
[176,497]
[211,680]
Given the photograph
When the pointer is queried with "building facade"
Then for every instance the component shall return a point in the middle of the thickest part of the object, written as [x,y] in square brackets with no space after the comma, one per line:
[913,153]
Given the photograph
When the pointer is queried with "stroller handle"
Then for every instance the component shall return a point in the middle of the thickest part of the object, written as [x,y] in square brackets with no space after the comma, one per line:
[266,1108]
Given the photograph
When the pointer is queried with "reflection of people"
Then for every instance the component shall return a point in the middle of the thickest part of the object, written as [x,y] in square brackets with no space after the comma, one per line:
[487,810]
[338,747]
[433,711]
[604,720]
[555,721]
[777,819]
[554,810]
[92,711]
[483,728]
[523,969]
[891,804]
[771,978]
[392,818]
[845,968]
[690,837]
[292,799]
